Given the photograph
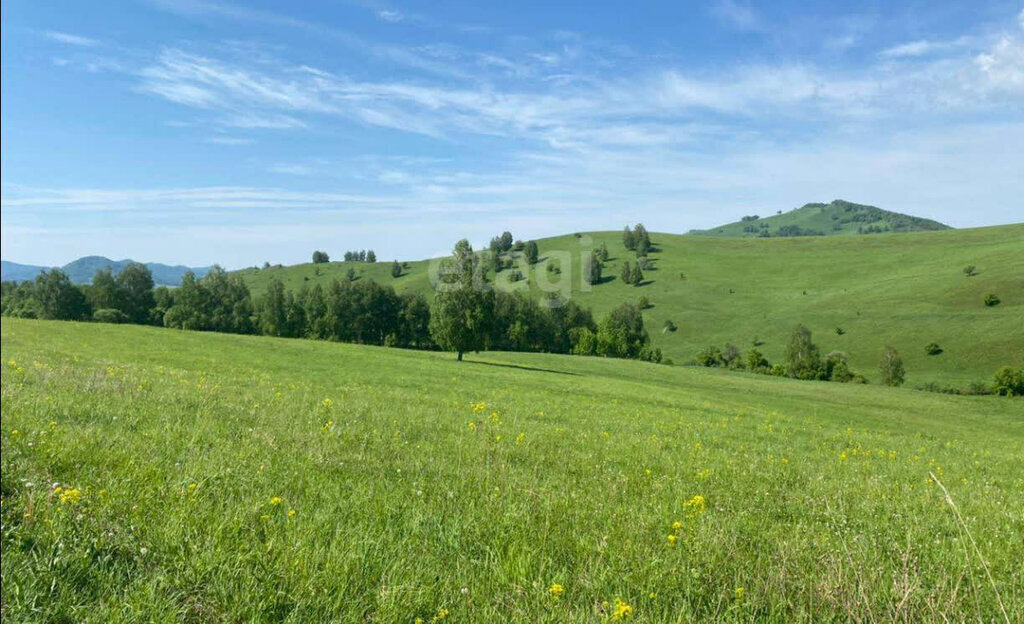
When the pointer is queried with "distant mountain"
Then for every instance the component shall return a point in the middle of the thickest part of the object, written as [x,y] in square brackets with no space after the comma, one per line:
[81,271]
[837,218]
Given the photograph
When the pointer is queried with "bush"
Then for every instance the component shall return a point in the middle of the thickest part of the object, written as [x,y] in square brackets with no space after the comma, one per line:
[970,271]
[669,326]
[730,354]
[110,315]
[711,356]
[643,303]
[991,300]
[756,362]
[932,348]
[1009,381]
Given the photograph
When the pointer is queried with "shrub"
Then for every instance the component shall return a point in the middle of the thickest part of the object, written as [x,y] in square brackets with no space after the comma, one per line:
[109,315]
[778,370]
[643,303]
[991,300]
[840,331]
[669,326]
[932,348]
[970,271]
[802,359]
[711,356]
[1009,381]
[756,362]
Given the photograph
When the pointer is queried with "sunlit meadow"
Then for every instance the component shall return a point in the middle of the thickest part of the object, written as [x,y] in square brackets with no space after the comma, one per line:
[158,475]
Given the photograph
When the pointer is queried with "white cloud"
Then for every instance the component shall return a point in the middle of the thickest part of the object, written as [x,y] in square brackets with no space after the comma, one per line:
[70,39]
[739,15]
[390,15]
[291,169]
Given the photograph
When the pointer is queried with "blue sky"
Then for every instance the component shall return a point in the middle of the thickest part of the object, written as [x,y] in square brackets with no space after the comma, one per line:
[198,132]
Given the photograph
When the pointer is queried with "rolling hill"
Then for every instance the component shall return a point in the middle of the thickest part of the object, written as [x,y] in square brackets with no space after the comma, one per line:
[899,289]
[152,474]
[82,270]
[835,219]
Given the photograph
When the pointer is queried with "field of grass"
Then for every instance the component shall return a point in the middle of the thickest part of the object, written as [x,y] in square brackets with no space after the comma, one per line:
[904,290]
[157,475]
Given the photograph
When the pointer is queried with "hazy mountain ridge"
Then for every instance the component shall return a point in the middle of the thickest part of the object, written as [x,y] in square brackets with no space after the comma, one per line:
[82,270]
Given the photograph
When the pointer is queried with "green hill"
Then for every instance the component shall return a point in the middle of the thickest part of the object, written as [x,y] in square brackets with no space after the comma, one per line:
[899,289]
[152,474]
[837,218]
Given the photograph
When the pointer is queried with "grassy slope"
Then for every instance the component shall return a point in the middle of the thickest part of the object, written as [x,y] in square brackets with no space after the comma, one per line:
[823,218]
[402,509]
[900,289]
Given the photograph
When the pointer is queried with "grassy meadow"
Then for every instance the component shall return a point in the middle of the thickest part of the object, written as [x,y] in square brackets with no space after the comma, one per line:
[905,290]
[162,476]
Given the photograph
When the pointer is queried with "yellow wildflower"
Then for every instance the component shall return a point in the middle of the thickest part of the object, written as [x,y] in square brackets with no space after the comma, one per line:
[275,501]
[291,513]
[327,403]
[677,526]
[672,537]
[556,590]
[696,505]
[740,592]
[621,610]
[472,426]
[520,437]
[70,496]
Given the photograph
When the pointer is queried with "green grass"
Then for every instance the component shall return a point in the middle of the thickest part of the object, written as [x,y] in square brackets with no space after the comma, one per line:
[904,290]
[819,502]
[833,219]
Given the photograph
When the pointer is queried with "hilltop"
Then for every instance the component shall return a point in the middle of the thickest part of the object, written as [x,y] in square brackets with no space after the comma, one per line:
[856,293]
[838,218]
[82,270]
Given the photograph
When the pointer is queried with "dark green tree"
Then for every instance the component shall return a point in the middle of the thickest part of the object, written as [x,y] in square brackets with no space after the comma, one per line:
[135,284]
[58,298]
[371,256]
[627,273]
[320,257]
[531,252]
[396,269]
[622,333]
[104,293]
[628,238]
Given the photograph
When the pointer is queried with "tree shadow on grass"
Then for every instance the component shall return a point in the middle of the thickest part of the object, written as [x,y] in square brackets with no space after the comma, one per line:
[521,367]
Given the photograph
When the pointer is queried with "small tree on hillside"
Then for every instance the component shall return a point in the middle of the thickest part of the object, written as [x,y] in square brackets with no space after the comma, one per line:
[531,252]
[371,256]
[602,252]
[592,269]
[320,257]
[638,275]
[891,367]
[627,273]
[970,270]
[396,269]
[628,238]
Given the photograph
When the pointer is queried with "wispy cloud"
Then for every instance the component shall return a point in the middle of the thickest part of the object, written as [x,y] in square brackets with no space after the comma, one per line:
[71,39]
[739,15]
[390,15]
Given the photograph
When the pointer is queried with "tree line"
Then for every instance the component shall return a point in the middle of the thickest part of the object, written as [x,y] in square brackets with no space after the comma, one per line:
[468,313]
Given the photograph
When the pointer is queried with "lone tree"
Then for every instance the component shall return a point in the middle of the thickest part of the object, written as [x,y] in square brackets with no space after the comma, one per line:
[460,319]
[628,238]
[627,273]
[370,256]
[320,257]
[802,357]
[891,367]
[638,275]
[592,269]
[970,270]
[531,252]
[396,269]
